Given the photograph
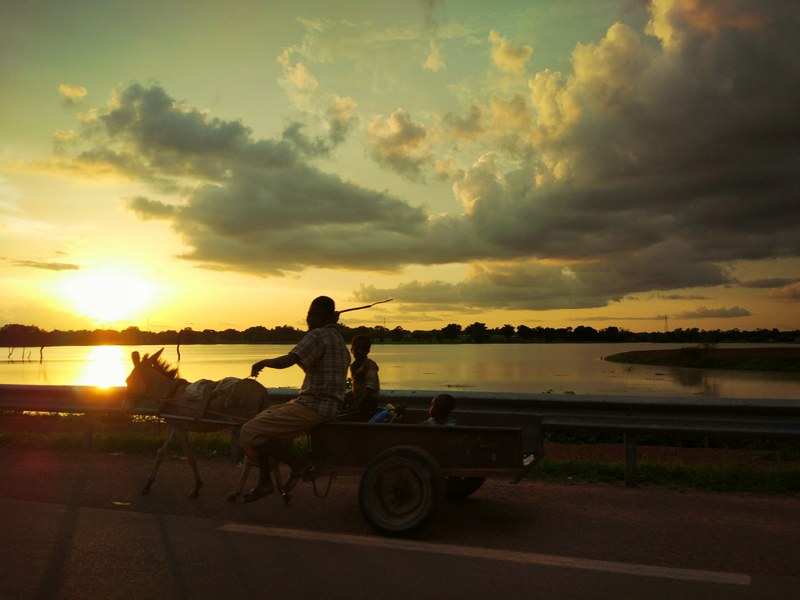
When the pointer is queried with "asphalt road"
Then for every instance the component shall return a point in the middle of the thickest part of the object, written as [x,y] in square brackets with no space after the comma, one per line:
[73,525]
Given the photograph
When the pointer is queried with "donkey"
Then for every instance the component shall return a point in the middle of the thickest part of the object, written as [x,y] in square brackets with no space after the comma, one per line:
[202,406]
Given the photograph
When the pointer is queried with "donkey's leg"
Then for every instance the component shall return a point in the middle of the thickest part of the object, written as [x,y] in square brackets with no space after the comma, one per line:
[275,467]
[246,466]
[183,436]
[162,452]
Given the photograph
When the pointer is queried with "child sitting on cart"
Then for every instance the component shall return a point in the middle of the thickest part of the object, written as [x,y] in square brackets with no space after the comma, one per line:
[363,398]
[439,412]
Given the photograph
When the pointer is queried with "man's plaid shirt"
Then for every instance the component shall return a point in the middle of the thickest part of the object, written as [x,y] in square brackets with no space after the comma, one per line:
[325,359]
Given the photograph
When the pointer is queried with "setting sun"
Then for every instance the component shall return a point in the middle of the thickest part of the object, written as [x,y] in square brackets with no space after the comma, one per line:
[106,367]
[107,296]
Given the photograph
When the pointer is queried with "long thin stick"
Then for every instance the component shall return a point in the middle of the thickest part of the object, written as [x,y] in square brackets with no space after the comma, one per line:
[366,305]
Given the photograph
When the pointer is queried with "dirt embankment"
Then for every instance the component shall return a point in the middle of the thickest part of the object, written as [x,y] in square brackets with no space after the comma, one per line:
[786,359]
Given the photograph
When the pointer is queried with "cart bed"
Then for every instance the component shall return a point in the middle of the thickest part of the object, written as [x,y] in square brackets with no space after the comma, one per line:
[460,451]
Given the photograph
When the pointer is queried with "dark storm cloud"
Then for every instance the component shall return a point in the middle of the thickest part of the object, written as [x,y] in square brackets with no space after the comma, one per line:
[47,266]
[289,219]
[681,297]
[259,206]
[662,158]
[715,313]
[339,122]
[770,283]
[151,209]
[399,144]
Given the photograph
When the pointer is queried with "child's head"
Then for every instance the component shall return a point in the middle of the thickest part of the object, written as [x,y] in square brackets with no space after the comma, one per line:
[360,346]
[441,406]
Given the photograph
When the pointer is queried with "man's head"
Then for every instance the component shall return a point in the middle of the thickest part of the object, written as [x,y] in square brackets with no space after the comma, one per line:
[321,312]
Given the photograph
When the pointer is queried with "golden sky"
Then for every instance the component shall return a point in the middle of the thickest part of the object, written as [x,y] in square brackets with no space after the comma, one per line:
[206,165]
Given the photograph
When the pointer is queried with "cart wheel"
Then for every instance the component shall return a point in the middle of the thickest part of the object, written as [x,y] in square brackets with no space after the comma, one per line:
[461,487]
[401,490]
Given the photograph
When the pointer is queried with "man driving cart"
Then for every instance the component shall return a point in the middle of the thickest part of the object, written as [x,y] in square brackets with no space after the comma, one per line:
[323,356]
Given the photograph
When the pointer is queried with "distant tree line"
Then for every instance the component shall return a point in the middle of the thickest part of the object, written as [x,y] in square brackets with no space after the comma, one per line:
[14,336]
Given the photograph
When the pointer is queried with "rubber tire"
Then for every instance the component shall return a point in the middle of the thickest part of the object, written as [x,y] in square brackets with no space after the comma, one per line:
[401,491]
[459,488]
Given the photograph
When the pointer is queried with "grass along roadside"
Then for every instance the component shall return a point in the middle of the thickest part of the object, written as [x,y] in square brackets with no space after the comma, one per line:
[784,480]
[767,470]
[134,435]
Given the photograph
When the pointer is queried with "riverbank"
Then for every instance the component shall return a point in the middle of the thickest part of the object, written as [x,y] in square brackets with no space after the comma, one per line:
[780,359]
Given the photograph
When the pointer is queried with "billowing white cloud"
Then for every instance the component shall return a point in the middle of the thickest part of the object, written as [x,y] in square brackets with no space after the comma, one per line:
[430,8]
[507,56]
[298,82]
[72,94]
[434,60]
[789,292]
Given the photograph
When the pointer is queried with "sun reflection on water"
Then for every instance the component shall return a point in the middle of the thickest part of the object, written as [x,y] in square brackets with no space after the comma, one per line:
[106,367]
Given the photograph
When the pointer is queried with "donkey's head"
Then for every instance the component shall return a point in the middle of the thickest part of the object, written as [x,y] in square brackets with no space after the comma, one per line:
[151,377]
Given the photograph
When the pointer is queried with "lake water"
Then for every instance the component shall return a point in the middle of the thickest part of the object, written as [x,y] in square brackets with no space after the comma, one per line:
[526,368]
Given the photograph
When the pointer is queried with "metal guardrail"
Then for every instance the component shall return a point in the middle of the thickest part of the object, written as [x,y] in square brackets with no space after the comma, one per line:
[88,400]
[61,398]
[629,415]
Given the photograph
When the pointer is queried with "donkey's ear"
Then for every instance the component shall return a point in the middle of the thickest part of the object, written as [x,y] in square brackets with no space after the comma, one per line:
[135,358]
[155,356]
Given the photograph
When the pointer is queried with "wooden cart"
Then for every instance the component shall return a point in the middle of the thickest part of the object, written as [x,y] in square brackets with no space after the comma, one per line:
[408,471]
